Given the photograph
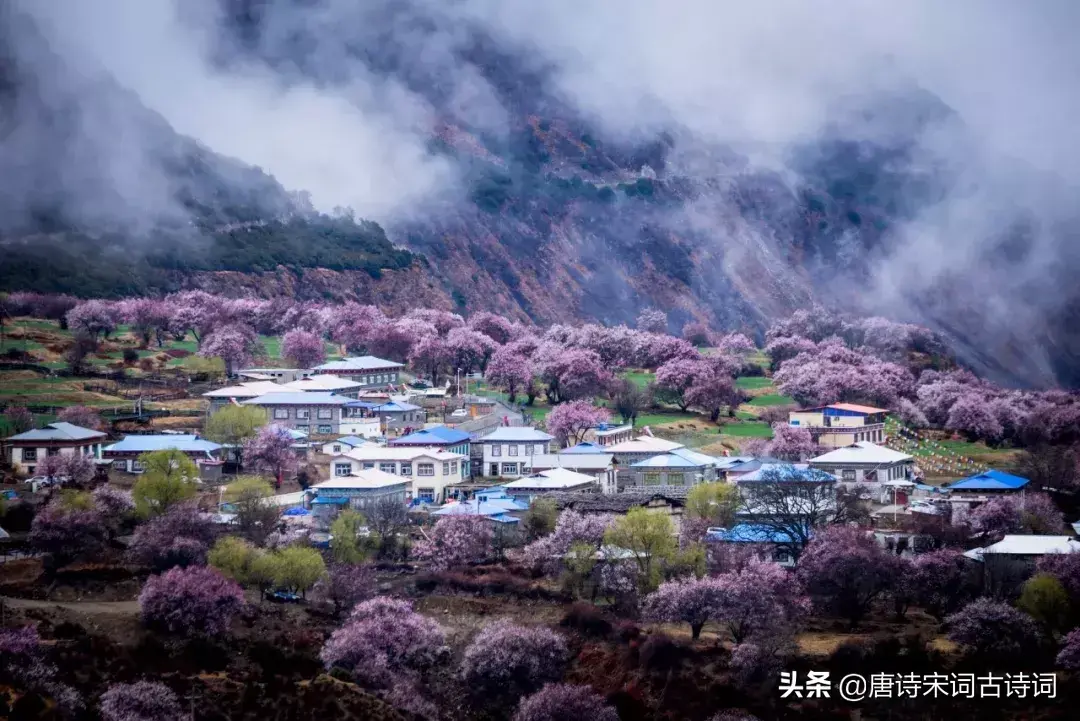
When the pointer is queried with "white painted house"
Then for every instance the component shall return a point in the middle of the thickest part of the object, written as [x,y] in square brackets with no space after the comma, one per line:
[507,450]
[866,462]
[427,470]
[27,449]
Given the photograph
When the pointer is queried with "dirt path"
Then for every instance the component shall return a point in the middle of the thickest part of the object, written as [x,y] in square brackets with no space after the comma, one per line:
[91,607]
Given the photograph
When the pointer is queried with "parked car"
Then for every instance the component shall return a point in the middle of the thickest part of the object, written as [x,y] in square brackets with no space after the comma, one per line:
[460,413]
[282,597]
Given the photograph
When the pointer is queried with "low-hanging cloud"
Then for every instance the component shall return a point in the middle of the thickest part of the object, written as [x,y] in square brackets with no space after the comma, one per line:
[341,99]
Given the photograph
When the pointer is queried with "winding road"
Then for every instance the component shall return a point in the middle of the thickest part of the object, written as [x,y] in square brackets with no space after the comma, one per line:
[91,607]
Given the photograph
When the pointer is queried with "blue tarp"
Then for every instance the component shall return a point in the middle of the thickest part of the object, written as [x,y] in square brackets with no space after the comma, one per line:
[991,480]
[297,512]
[330,501]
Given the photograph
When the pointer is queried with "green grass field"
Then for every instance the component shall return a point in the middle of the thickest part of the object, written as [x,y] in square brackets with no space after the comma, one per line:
[641,378]
[659,418]
[771,399]
[747,429]
[753,383]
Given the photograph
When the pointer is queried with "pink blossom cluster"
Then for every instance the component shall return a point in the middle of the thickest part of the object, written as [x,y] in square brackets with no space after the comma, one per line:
[382,638]
[456,541]
[191,601]
[571,527]
[569,422]
[562,701]
[140,701]
[508,658]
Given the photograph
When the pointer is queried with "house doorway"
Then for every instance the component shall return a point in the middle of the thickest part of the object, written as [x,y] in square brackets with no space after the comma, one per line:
[494,469]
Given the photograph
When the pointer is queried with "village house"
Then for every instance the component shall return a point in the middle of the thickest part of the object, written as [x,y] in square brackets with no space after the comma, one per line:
[444,437]
[25,450]
[357,491]
[865,462]
[316,413]
[671,503]
[125,453]
[399,416]
[233,395]
[494,504]
[680,467]
[969,493]
[344,445]
[1005,565]
[606,434]
[550,481]
[358,419]
[276,375]
[785,488]
[324,383]
[627,453]
[841,424]
[367,370]
[506,450]
[601,466]
[428,471]
[767,544]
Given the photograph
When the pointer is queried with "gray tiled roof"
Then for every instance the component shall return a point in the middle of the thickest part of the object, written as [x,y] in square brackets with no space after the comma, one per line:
[59,431]
[298,398]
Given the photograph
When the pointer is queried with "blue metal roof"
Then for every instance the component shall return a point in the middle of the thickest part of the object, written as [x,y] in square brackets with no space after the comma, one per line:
[666,460]
[329,501]
[395,407]
[991,480]
[438,436]
[147,444]
[585,447]
[368,405]
[353,441]
[750,533]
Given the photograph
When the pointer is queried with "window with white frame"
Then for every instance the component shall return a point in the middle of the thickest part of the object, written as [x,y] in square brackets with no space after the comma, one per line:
[281,414]
[652,479]
[406,469]
[528,449]
[326,414]
[137,466]
[426,494]
[453,467]
[676,479]
[337,448]
[513,449]
[302,427]
[342,469]
[510,468]
[326,429]
[540,449]
[29,454]
[849,474]
[368,465]
[496,450]
[446,468]
[387,467]
[303,413]
[425,469]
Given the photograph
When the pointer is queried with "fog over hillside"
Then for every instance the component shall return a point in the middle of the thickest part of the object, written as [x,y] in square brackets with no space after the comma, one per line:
[913,159]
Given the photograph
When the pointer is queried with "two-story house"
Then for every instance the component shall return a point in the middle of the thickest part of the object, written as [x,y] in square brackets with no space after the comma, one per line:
[25,450]
[865,462]
[606,434]
[221,397]
[315,413]
[841,424]
[444,437]
[324,383]
[358,491]
[428,471]
[368,370]
[506,450]
[680,467]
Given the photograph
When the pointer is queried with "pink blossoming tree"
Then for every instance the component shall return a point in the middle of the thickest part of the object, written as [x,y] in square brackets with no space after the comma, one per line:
[563,701]
[303,349]
[845,571]
[992,629]
[271,451]
[456,541]
[652,320]
[140,701]
[505,658]
[191,601]
[81,416]
[569,422]
[93,318]
[235,344]
[508,371]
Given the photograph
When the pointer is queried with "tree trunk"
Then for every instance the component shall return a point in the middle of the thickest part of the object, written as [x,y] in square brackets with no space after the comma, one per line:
[695,630]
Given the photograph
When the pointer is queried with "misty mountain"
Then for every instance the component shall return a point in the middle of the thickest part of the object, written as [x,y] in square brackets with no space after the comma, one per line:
[514,192]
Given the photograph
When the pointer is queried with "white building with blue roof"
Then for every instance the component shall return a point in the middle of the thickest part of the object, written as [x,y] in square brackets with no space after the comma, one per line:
[125,453]
[679,467]
[507,450]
